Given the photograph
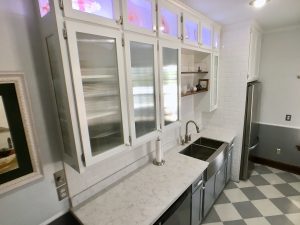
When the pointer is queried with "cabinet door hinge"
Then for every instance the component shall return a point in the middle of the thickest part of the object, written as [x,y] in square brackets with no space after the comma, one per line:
[120,20]
[157,46]
[123,42]
[181,19]
[61,4]
[83,159]
[65,34]
[156,7]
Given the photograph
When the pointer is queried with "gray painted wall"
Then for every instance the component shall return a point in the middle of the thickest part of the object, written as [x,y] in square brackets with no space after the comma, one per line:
[20,47]
[273,137]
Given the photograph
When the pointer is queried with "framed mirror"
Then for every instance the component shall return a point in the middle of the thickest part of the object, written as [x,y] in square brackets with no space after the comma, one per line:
[19,162]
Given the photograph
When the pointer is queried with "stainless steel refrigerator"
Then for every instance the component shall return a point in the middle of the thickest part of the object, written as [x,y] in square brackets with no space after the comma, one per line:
[251,128]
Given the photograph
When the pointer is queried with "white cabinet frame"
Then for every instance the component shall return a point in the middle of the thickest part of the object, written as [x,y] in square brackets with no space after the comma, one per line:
[76,14]
[210,27]
[166,44]
[174,9]
[72,28]
[133,28]
[146,40]
[212,83]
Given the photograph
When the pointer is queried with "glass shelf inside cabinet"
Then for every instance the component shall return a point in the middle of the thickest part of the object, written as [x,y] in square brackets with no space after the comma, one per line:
[191,30]
[104,8]
[139,13]
[142,75]
[100,80]
[169,22]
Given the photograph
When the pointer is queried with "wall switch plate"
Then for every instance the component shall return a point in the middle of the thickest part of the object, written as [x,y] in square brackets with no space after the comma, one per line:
[59,178]
[288,117]
[62,192]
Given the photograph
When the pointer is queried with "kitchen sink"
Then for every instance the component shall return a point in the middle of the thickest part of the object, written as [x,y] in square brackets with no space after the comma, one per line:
[212,151]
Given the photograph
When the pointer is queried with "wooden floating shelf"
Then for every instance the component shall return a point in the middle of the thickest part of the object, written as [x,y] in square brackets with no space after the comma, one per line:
[200,72]
[193,93]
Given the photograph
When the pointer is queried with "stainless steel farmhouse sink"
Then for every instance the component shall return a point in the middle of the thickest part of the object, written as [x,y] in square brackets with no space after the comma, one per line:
[212,151]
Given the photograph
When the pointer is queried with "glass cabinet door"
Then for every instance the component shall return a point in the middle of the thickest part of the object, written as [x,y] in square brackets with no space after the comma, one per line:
[106,12]
[96,65]
[206,36]
[139,15]
[214,99]
[169,78]
[190,30]
[169,21]
[142,83]
[217,39]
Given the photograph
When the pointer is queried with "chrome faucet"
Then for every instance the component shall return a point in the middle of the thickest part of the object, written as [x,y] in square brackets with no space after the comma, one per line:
[187,137]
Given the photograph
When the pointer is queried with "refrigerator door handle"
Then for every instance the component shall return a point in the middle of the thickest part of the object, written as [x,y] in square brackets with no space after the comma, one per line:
[254,146]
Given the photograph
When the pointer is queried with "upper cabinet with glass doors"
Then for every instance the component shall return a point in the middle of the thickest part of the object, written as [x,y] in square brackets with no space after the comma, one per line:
[139,16]
[191,31]
[206,35]
[105,12]
[142,78]
[169,24]
[169,58]
[99,88]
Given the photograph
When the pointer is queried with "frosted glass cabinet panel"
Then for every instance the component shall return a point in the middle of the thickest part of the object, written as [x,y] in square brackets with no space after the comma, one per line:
[106,12]
[206,36]
[141,63]
[95,58]
[217,39]
[139,15]
[143,87]
[169,78]
[44,7]
[169,20]
[190,30]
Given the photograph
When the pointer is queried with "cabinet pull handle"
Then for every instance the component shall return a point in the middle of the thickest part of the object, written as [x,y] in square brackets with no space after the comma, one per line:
[199,183]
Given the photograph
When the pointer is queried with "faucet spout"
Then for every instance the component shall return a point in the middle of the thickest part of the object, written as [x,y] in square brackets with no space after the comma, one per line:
[187,137]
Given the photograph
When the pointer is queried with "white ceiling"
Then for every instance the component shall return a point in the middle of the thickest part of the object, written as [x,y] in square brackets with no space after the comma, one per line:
[276,14]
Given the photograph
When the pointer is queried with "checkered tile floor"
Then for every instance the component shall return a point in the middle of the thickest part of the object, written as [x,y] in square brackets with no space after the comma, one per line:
[269,197]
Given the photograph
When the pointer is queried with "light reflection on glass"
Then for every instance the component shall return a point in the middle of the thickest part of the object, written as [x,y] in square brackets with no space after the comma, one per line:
[191,30]
[140,13]
[169,22]
[206,36]
[44,7]
[170,85]
[102,8]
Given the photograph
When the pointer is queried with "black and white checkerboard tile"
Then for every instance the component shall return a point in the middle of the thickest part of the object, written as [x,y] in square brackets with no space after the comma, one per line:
[269,197]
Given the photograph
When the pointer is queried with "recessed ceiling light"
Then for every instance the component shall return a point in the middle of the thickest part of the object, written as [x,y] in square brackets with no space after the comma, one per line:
[258,3]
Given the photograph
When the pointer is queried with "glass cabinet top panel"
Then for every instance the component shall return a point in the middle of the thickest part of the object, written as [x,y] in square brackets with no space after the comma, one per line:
[169,22]
[191,30]
[170,85]
[142,75]
[104,8]
[139,13]
[44,7]
[100,80]
[206,36]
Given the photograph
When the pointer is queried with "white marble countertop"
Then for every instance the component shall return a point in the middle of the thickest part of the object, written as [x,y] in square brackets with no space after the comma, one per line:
[143,197]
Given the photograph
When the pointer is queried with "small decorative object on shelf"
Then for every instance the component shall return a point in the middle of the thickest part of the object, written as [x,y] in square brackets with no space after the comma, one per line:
[202,86]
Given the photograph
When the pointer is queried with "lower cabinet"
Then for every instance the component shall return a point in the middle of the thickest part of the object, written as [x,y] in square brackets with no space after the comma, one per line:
[220,180]
[197,202]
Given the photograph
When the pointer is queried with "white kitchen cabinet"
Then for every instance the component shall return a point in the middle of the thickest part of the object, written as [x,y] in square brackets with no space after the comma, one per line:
[191,29]
[254,55]
[169,24]
[206,36]
[105,12]
[169,61]
[214,84]
[139,16]
[143,87]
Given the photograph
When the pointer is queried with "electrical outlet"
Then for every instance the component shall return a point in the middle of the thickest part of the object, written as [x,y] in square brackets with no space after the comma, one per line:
[288,117]
[59,178]
[278,151]
[62,192]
